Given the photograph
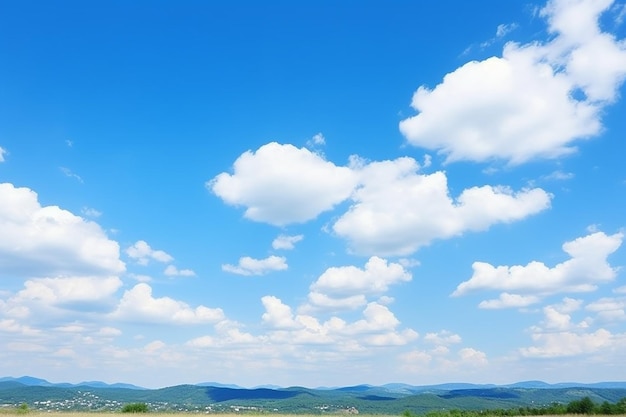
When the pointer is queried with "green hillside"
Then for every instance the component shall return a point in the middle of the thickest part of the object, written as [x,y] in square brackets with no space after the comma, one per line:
[365,399]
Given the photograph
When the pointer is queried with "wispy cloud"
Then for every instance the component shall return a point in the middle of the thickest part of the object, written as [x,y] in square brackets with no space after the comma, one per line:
[68,173]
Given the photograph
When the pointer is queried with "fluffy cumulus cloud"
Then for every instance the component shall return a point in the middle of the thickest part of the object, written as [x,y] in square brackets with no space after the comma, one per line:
[142,253]
[609,309]
[347,287]
[286,242]
[81,291]
[523,105]
[396,210]
[586,268]
[139,305]
[49,241]
[559,335]
[376,278]
[378,327]
[250,266]
[281,184]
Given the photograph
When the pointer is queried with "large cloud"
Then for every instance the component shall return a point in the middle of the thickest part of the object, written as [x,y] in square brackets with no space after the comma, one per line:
[586,268]
[396,210]
[524,104]
[282,184]
[49,241]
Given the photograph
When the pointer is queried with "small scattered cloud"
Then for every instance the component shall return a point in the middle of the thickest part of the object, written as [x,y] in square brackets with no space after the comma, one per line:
[172,271]
[559,176]
[504,29]
[68,173]
[286,242]
[2,154]
[90,212]
[250,266]
[506,300]
[347,287]
[443,337]
[69,143]
[142,253]
[317,140]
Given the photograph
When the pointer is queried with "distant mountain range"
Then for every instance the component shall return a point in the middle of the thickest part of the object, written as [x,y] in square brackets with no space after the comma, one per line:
[394,387]
[38,382]
[391,398]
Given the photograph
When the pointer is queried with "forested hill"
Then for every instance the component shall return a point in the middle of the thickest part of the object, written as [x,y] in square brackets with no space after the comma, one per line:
[388,399]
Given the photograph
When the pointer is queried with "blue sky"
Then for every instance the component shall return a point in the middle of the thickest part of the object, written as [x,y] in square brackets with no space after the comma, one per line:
[312,193]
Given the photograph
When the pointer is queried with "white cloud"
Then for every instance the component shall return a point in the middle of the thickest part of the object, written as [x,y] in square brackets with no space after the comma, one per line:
[76,292]
[281,184]
[49,241]
[559,176]
[286,242]
[396,210]
[90,212]
[443,337]
[277,314]
[522,106]
[504,29]
[347,287]
[2,153]
[13,326]
[138,305]
[507,300]
[68,173]
[172,271]
[319,301]
[473,357]
[620,290]
[249,266]
[375,278]
[378,327]
[550,344]
[586,268]
[142,253]
[610,309]
[317,140]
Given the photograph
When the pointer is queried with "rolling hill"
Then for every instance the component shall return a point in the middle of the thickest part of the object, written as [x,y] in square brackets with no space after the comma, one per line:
[387,399]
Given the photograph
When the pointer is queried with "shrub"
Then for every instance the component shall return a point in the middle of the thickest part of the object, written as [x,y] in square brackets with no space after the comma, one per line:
[135,408]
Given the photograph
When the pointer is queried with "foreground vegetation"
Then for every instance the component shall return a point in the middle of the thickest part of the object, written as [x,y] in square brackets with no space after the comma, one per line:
[583,406]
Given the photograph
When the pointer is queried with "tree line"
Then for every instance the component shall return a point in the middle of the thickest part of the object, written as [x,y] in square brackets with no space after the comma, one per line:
[583,406]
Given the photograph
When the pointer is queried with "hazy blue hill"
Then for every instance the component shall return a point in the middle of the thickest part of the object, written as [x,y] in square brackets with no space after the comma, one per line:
[218,394]
[368,399]
[356,388]
[217,384]
[28,380]
[10,385]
